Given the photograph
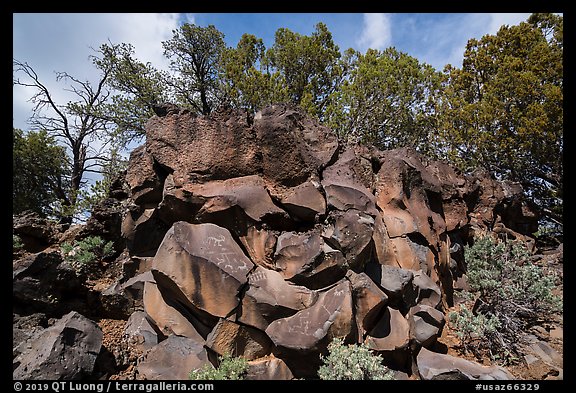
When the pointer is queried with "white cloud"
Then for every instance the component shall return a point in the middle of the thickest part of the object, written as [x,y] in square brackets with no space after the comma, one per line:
[376,32]
[144,31]
[498,20]
[444,42]
[64,42]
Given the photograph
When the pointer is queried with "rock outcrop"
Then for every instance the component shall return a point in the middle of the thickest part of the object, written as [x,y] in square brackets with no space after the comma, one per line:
[268,240]
[283,229]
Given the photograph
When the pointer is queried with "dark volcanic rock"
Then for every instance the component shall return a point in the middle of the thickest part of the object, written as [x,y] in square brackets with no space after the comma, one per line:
[293,147]
[172,359]
[269,297]
[203,264]
[238,340]
[432,365]
[267,238]
[329,317]
[221,146]
[65,351]
[36,233]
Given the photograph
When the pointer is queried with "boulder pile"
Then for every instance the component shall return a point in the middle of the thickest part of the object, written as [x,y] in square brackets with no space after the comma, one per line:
[269,239]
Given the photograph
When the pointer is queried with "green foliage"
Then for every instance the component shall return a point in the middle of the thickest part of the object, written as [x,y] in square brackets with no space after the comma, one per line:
[502,273]
[84,254]
[39,168]
[248,82]
[389,100]
[194,53]
[17,243]
[352,362]
[310,66]
[230,368]
[503,110]
[511,290]
[137,87]
[475,331]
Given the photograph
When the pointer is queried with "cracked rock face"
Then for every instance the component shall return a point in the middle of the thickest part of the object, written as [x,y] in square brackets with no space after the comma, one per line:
[273,238]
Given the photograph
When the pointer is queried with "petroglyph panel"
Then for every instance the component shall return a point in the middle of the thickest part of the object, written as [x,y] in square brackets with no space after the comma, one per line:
[205,264]
[330,316]
[270,297]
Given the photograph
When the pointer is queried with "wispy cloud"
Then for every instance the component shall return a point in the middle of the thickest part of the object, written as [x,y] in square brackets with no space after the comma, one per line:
[498,20]
[64,42]
[440,39]
[376,32]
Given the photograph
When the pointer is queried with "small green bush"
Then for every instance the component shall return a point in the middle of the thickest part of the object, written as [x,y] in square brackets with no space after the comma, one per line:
[17,243]
[230,368]
[512,294]
[83,253]
[474,331]
[352,362]
[505,278]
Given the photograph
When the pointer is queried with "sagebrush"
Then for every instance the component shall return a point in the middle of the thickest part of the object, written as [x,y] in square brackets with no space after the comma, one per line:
[512,294]
[230,368]
[352,362]
[17,243]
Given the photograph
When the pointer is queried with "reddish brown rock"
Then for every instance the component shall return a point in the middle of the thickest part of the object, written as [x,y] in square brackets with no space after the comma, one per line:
[391,332]
[397,283]
[495,202]
[348,182]
[248,192]
[177,203]
[351,232]
[269,368]
[304,202]
[409,196]
[169,318]
[297,253]
[172,359]
[448,192]
[426,324]
[144,177]
[260,245]
[272,219]
[204,264]
[269,297]
[197,149]
[428,291]
[432,365]
[328,269]
[293,146]
[384,252]
[238,340]
[412,255]
[330,316]
[139,332]
[369,302]
[143,230]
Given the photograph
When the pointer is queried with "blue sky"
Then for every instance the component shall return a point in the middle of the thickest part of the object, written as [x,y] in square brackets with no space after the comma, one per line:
[63,41]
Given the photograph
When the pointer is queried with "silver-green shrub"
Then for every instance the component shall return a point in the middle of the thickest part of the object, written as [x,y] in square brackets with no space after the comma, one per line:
[16,243]
[230,368]
[352,362]
[512,294]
